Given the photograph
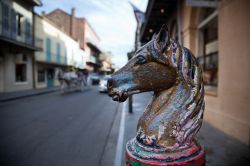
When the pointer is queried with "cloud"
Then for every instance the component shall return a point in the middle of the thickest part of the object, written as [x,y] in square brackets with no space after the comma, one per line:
[113,21]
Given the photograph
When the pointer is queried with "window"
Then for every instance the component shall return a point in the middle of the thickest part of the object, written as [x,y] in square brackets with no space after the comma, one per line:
[65,56]
[41,75]
[5,17]
[24,58]
[28,32]
[48,49]
[208,47]
[19,24]
[21,72]
[58,52]
[13,24]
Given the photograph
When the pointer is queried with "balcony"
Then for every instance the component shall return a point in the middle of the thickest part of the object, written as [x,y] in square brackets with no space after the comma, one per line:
[10,35]
[39,43]
[35,2]
[93,61]
[51,58]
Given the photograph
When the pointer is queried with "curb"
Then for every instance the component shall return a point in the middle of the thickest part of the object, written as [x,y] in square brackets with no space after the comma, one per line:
[119,146]
[27,95]
[35,94]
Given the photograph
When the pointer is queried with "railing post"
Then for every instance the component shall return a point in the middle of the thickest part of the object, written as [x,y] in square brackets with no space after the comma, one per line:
[167,128]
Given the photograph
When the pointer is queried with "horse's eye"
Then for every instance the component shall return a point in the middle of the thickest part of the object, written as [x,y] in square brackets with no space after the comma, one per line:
[141,59]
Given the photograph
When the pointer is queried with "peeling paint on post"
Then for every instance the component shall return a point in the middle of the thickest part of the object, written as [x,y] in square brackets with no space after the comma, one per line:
[166,130]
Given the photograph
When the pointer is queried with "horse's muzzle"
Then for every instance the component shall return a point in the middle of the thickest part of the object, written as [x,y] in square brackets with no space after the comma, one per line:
[116,96]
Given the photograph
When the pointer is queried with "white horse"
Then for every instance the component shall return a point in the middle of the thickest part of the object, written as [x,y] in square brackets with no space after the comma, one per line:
[70,80]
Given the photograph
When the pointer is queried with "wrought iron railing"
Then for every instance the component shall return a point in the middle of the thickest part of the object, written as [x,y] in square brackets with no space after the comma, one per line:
[9,34]
[39,43]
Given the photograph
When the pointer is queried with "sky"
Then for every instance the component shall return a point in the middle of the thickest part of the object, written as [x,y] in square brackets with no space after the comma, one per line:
[113,21]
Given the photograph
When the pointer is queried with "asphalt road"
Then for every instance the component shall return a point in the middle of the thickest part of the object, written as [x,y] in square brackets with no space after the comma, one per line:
[79,128]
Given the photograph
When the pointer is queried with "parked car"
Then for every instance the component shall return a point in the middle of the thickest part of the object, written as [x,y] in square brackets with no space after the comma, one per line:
[103,84]
[94,78]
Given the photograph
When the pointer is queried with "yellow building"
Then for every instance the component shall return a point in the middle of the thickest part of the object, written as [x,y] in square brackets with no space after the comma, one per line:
[218,34]
[107,66]
[58,50]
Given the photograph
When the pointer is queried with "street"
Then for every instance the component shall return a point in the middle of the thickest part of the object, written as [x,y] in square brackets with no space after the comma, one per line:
[79,128]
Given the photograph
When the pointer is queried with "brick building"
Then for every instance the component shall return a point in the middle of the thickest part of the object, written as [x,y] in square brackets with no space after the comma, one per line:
[79,29]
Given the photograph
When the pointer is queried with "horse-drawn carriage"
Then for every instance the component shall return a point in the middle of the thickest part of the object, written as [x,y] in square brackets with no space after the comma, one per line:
[70,81]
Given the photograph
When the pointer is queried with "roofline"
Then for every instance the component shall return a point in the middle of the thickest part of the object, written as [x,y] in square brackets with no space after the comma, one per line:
[57,10]
[92,29]
[54,25]
[78,18]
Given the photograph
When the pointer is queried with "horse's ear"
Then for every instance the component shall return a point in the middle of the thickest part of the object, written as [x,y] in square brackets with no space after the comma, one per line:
[154,36]
[162,38]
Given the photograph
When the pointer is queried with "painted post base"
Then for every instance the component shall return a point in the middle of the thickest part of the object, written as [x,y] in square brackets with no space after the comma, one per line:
[140,155]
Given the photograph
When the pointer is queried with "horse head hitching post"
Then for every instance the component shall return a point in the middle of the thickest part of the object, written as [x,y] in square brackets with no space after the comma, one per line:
[166,130]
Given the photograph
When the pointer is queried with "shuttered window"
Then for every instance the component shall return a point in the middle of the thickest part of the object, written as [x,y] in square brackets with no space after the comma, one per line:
[13,24]
[5,19]
[48,49]
[58,52]
[65,56]
[28,36]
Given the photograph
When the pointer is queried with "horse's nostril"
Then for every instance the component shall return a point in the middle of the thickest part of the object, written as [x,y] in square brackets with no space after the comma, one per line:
[110,82]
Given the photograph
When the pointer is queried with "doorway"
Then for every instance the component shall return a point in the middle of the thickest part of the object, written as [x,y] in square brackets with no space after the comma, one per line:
[50,78]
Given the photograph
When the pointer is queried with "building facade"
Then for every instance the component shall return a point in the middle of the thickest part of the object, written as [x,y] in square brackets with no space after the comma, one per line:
[217,33]
[106,60]
[17,44]
[79,29]
[58,50]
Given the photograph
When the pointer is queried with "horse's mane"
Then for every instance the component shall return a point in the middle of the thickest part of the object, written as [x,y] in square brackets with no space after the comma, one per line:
[190,75]
[187,94]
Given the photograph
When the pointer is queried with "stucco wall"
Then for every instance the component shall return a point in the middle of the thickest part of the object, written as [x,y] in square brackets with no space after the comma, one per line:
[229,110]
[40,84]
[10,83]
[188,26]
[69,47]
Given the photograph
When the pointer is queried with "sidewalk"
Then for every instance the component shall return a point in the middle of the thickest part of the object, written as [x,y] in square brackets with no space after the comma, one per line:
[220,148]
[7,96]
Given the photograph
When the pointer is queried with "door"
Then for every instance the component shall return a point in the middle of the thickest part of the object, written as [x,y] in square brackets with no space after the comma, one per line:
[50,78]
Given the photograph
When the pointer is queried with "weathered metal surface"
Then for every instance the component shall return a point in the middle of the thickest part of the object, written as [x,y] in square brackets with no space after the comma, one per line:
[174,115]
[137,154]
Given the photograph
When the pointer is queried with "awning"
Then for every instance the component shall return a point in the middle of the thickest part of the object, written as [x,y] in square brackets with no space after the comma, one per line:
[94,47]
[98,65]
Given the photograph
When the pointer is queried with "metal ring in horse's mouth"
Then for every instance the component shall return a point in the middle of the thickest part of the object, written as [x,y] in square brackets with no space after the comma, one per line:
[123,95]
[119,96]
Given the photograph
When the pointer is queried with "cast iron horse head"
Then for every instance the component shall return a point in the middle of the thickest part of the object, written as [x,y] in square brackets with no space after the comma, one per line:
[174,115]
